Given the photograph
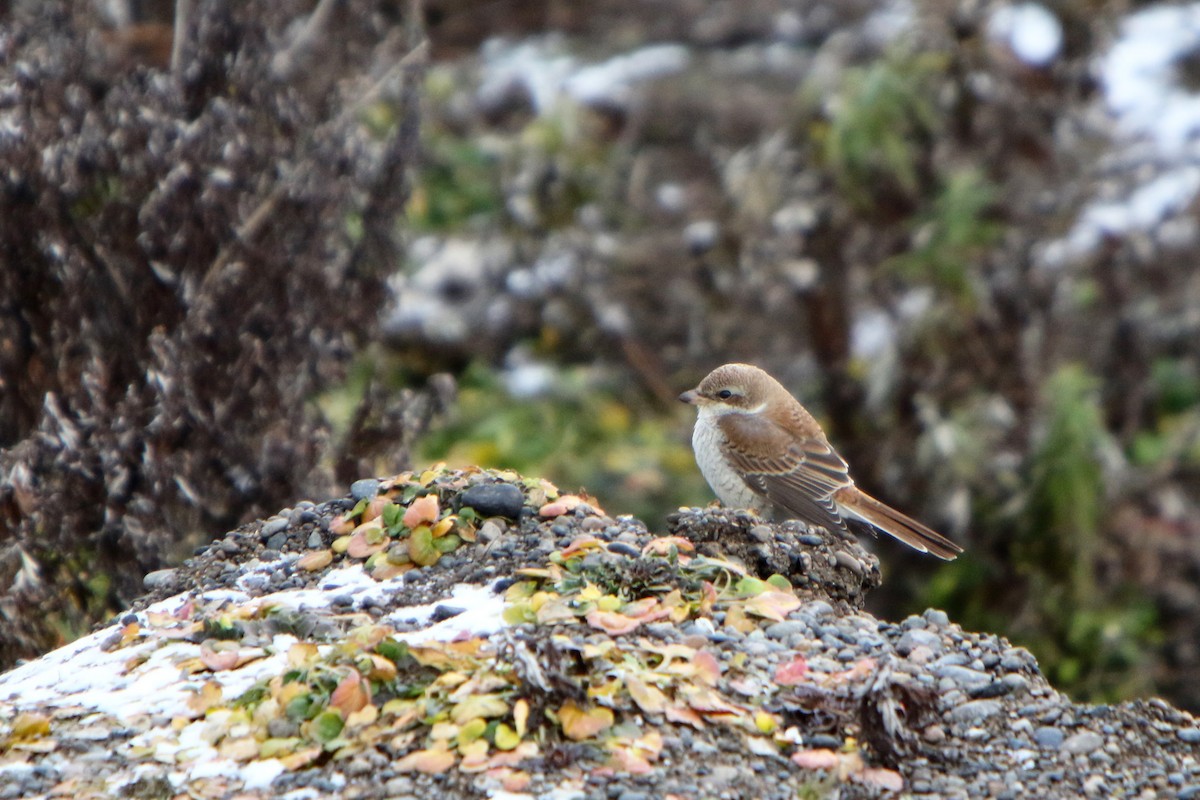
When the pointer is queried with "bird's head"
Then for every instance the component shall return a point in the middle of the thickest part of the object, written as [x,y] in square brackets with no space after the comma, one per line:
[733,389]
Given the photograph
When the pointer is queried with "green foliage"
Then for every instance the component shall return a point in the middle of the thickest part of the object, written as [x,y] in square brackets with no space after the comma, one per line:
[879,123]
[1091,643]
[457,183]
[633,459]
[951,234]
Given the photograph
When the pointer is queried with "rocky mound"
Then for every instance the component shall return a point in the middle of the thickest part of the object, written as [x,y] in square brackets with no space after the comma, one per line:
[478,634]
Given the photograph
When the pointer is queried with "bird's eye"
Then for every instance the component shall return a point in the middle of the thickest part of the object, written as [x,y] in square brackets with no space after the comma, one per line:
[724,394]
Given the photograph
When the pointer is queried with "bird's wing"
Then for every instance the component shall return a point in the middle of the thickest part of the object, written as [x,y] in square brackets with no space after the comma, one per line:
[796,474]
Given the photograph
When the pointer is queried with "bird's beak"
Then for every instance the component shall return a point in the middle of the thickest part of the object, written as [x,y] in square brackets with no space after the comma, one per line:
[690,397]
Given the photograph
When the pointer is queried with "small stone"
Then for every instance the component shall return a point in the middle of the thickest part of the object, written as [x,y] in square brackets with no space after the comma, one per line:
[494,499]
[160,579]
[782,630]
[974,711]
[441,612]
[918,637]
[314,540]
[937,618]
[491,530]
[963,676]
[1082,742]
[761,533]
[277,541]
[1189,735]
[810,540]
[273,526]
[364,489]
[1049,738]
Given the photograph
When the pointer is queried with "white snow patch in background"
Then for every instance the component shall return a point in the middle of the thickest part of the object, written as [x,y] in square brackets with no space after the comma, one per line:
[547,74]
[1160,118]
[1140,77]
[1032,32]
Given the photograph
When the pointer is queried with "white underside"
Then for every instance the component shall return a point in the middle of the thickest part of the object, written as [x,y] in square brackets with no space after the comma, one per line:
[730,489]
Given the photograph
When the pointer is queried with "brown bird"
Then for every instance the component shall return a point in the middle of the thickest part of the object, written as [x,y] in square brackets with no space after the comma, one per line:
[759,449]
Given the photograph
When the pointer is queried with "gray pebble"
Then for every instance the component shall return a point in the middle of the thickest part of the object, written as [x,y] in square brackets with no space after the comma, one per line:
[782,630]
[159,579]
[974,711]
[277,541]
[1189,735]
[315,540]
[364,489]
[937,618]
[1049,738]
[918,637]
[810,540]
[1082,742]
[273,526]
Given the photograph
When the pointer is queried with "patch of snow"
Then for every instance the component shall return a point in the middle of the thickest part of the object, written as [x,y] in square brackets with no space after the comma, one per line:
[1144,208]
[1141,84]
[482,615]
[546,74]
[1032,32]
[260,774]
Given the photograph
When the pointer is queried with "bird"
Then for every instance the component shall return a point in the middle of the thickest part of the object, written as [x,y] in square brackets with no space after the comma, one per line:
[760,449]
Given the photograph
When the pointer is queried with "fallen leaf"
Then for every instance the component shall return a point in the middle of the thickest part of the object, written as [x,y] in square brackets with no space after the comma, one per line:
[521,715]
[431,762]
[822,758]
[649,699]
[793,672]
[315,560]
[422,511]
[611,622]
[578,724]
[886,779]
[351,694]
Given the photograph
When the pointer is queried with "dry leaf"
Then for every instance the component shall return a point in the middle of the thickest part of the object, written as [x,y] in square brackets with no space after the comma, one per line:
[421,511]
[578,724]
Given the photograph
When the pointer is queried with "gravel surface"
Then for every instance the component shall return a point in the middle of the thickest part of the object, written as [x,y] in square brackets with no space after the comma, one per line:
[811,697]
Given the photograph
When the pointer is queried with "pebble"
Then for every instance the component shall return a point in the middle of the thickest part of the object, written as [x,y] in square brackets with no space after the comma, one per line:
[1082,742]
[918,637]
[160,579]
[1189,735]
[273,526]
[1049,738]
[314,540]
[937,618]
[364,489]
[494,499]
[975,710]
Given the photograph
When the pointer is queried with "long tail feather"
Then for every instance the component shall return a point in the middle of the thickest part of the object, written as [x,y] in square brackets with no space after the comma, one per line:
[905,528]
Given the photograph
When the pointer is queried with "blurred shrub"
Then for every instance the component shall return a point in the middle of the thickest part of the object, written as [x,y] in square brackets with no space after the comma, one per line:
[179,281]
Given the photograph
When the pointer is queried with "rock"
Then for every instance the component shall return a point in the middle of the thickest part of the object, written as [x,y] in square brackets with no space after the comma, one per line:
[273,526]
[1082,742]
[364,489]
[975,710]
[494,499]
[1049,738]
[1189,735]
[918,637]
[160,579]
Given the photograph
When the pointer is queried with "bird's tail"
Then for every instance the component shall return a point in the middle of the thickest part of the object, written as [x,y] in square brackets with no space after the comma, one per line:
[905,528]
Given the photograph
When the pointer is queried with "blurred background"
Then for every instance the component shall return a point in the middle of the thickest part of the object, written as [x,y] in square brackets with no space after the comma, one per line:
[250,254]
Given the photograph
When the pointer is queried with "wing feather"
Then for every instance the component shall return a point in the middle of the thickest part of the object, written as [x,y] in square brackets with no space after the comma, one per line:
[798,475]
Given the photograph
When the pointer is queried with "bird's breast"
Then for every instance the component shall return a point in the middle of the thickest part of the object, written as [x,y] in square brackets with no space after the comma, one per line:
[708,442]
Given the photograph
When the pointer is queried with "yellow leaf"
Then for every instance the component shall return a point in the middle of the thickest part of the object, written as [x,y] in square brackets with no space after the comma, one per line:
[521,715]
[578,724]
[648,698]
[433,761]
[315,560]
